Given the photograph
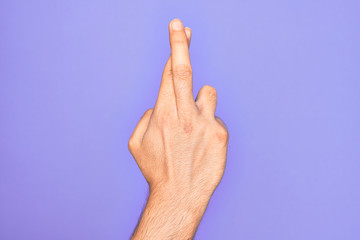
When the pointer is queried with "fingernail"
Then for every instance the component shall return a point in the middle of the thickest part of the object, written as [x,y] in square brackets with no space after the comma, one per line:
[176,24]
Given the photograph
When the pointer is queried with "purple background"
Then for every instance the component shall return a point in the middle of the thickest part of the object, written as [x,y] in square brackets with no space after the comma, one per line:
[76,76]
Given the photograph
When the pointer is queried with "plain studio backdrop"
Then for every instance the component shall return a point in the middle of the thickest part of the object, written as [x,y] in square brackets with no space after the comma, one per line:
[76,76]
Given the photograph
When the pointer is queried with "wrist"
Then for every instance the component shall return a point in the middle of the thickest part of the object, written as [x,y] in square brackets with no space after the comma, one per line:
[188,198]
[188,204]
[170,213]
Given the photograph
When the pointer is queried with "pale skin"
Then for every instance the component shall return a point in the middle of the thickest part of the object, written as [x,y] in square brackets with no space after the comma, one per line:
[180,147]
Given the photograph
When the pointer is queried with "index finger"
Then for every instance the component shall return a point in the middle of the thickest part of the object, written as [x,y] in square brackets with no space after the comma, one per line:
[181,66]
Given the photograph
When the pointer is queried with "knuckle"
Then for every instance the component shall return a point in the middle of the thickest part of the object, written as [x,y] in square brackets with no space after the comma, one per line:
[187,121]
[183,71]
[222,134]
[131,144]
[188,127]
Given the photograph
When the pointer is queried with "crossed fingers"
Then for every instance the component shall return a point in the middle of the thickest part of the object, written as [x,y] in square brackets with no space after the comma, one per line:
[176,87]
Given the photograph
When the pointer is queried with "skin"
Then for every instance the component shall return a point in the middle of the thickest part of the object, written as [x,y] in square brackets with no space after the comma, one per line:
[180,147]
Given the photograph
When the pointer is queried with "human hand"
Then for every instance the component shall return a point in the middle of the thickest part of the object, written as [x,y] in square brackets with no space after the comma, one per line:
[180,145]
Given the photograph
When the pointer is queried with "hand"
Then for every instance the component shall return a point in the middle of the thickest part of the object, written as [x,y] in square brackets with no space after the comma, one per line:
[180,147]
